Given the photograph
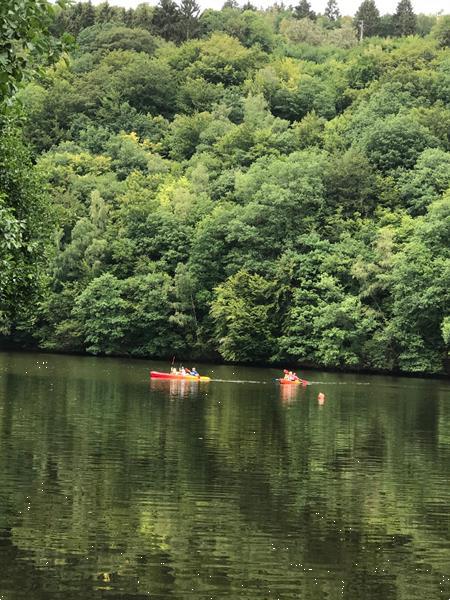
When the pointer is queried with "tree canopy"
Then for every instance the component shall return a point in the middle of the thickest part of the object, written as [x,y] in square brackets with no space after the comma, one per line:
[251,185]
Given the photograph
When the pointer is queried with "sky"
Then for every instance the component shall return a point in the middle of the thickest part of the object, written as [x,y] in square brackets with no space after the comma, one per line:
[347,7]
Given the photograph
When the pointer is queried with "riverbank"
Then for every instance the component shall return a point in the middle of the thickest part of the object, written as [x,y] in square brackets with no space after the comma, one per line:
[217,360]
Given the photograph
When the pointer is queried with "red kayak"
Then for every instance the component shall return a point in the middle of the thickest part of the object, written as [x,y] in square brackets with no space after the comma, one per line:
[177,376]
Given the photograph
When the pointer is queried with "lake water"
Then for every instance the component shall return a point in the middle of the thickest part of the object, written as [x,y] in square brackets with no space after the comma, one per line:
[115,487]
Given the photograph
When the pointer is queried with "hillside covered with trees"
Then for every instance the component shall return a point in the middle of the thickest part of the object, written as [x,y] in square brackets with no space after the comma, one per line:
[245,185]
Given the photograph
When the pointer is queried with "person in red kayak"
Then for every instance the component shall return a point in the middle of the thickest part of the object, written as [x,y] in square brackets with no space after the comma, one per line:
[289,375]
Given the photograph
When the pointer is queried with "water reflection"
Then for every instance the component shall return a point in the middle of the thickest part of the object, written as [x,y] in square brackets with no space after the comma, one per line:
[290,393]
[176,389]
[111,487]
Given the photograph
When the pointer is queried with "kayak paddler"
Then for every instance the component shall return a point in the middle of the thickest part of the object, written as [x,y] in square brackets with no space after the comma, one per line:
[290,376]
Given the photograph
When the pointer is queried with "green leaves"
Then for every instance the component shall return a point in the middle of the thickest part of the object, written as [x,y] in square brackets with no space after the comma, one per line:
[25,43]
[23,236]
[102,313]
[427,182]
[243,311]
[128,316]
[396,142]
[420,284]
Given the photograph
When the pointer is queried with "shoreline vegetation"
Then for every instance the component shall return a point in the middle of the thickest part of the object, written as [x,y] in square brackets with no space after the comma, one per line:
[267,187]
[218,361]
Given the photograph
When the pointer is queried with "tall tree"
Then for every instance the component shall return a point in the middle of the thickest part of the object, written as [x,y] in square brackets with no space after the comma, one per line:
[105,12]
[367,17]
[129,17]
[404,19]
[332,10]
[166,20]
[189,12]
[303,11]
[78,17]
[88,14]
[120,15]
[142,17]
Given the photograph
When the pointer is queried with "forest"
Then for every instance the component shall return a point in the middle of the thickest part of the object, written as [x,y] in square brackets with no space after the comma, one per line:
[243,185]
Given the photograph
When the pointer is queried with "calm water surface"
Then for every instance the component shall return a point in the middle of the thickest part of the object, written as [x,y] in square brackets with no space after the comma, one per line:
[112,487]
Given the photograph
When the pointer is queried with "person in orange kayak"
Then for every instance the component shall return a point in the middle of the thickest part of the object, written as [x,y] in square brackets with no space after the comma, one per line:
[194,372]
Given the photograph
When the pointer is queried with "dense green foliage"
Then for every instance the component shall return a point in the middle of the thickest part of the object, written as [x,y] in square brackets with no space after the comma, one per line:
[26,46]
[269,190]
[25,43]
[24,228]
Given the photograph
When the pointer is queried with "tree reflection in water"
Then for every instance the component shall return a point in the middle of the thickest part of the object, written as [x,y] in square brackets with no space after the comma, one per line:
[111,485]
